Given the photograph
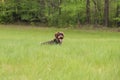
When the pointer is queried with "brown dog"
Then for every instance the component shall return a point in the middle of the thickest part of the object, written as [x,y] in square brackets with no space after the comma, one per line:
[59,36]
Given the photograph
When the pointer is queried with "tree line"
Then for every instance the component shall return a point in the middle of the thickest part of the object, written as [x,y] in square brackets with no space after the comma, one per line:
[61,12]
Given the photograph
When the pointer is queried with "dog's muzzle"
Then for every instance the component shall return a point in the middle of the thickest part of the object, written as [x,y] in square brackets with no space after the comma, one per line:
[60,38]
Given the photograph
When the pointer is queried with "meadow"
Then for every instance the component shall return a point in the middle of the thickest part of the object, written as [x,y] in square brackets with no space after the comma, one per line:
[84,54]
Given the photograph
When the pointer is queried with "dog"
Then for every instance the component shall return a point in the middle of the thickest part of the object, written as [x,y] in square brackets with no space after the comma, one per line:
[59,36]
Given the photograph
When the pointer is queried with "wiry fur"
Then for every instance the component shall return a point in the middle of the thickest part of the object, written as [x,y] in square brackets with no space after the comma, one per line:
[57,40]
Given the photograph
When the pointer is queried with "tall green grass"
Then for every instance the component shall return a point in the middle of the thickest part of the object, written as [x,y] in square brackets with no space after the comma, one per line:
[84,54]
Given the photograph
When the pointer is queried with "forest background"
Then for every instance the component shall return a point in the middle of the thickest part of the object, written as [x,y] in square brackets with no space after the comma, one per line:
[61,13]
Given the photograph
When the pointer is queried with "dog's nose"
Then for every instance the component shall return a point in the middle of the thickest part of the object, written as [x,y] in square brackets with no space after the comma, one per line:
[61,38]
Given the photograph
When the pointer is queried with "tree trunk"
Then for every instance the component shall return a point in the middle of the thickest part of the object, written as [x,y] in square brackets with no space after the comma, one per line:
[60,2]
[117,14]
[42,6]
[88,11]
[117,10]
[106,13]
[95,13]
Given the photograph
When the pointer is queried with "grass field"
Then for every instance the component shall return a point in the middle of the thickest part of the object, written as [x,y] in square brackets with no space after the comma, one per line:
[84,54]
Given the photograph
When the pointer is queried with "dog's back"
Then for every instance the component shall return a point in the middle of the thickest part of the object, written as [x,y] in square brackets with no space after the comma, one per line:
[50,42]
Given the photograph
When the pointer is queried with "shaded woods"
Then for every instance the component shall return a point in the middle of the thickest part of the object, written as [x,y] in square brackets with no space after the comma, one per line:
[61,12]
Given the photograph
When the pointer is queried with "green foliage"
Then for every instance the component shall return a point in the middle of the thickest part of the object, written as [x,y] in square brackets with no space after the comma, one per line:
[71,13]
[117,21]
[6,12]
[51,12]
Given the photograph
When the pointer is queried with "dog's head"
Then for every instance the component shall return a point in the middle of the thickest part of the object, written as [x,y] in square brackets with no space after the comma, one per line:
[59,36]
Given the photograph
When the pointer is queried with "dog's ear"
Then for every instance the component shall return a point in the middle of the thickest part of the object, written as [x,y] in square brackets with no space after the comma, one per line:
[56,34]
